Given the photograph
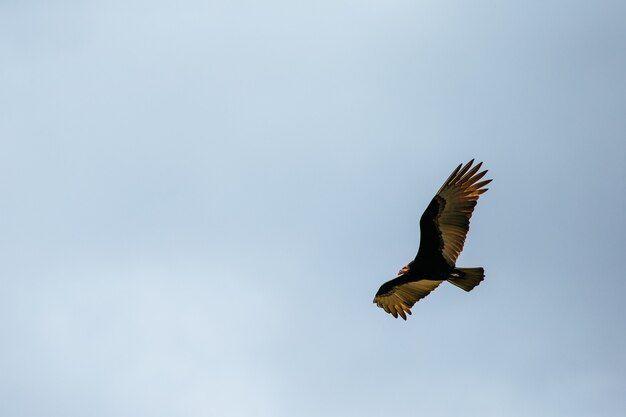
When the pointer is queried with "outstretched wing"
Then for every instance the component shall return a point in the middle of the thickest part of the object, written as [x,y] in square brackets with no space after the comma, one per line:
[445,223]
[398,296]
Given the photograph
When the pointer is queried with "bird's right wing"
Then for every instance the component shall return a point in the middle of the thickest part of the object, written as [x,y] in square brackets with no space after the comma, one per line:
[398,299]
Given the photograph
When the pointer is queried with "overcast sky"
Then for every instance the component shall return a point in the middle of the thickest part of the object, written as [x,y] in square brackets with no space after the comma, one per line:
[199,201]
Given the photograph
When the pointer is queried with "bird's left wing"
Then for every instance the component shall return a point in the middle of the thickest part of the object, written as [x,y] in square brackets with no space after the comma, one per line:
[445,223]
[397,297]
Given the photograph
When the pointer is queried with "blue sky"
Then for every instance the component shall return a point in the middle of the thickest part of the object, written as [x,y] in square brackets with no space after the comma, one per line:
[200,199]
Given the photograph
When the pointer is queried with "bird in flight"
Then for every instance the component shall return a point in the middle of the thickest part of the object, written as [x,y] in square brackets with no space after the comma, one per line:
[443,228]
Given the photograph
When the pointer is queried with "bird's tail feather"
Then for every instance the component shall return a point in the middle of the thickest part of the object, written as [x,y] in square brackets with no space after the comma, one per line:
[467,278]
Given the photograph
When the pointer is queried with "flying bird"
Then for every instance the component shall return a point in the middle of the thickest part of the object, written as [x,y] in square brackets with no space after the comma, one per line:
[443,228]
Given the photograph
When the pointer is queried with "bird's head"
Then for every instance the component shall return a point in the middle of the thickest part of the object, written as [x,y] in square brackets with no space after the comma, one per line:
[404,270]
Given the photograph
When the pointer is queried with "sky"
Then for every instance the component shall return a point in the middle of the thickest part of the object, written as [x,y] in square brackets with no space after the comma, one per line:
[200,199]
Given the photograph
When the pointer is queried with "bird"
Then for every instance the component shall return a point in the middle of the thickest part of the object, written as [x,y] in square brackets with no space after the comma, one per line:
[443,229]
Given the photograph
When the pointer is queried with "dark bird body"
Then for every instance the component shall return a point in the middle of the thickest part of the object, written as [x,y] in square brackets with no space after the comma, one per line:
[443,228]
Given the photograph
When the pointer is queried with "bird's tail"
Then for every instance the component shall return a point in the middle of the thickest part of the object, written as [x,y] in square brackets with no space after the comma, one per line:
[467,278]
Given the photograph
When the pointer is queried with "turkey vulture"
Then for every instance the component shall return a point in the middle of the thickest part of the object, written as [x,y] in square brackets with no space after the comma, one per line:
[443,228]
